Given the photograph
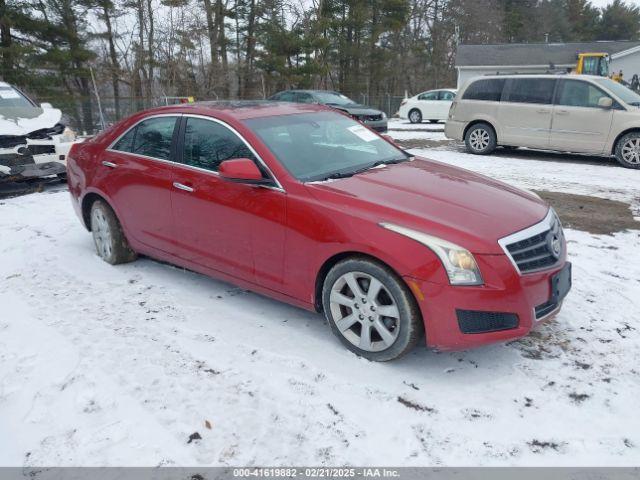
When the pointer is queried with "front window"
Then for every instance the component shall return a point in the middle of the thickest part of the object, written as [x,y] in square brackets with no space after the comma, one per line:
[207,144]
[623,93]
[575,93]
[333,98]
[323,145]
[12,98]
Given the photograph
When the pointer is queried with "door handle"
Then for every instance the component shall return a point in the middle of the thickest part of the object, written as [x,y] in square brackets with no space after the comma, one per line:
[109,164]
[543,110]
[181,186]
[562,112]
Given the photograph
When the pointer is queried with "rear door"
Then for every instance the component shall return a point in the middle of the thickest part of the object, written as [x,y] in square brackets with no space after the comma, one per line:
[579,125]
[429,105]
[445,99]
[233,228]
[525,112]
[138,173]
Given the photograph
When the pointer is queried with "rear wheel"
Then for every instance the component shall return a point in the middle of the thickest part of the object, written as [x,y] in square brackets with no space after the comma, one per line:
[415,116]
[480,139]
[628,150]
[111,244]
[371,310]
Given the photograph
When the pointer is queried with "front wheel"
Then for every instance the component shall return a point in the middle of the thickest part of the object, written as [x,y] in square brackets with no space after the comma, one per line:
[628,150]
[415,116]
[111,244]
[480,139]
[371,310]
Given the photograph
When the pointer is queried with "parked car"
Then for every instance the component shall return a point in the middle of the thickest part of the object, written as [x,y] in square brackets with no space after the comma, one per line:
[33,141]
[432,106]
[372,118]
[581,114]
[306,205]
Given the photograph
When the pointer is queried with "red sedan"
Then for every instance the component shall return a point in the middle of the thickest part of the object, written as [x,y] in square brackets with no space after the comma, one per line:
[306,205]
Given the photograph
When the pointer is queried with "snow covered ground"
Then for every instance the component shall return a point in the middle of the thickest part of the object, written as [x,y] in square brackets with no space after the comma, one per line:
[103,365]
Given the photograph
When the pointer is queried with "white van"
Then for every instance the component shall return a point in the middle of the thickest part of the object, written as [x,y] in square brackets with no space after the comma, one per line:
[31,136]
[568,113]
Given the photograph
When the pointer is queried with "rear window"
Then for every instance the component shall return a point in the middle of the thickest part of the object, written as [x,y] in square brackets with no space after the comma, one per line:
[489,89]
[530,90]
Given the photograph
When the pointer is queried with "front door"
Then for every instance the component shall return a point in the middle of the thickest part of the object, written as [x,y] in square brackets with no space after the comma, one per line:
[233,228]
[138,173]
[525,112]
[579,125]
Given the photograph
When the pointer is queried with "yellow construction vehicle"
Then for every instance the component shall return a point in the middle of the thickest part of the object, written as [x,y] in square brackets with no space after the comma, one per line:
[592,64]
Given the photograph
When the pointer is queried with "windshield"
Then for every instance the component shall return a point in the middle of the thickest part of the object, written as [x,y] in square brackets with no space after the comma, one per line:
[323,145]
[11,98]
[619,90]
[332,98]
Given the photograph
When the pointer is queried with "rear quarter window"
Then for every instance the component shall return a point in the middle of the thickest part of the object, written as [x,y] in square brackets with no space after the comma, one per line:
[489,89]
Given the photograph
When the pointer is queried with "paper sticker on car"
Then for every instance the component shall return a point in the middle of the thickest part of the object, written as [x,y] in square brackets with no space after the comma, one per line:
[9,94]
[363,132]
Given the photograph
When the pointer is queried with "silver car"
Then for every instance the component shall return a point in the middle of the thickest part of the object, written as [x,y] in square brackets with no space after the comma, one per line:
[571,113]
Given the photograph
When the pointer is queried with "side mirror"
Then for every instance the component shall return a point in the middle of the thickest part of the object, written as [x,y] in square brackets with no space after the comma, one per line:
[46,105]
[242,170]
[605,102]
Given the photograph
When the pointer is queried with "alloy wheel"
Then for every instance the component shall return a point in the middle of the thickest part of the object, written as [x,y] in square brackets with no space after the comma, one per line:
[364,311]
[415,116]
[631,151]
[101,233]
[479,139]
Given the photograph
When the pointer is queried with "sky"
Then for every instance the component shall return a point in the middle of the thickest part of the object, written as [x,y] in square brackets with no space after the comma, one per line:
[602,3]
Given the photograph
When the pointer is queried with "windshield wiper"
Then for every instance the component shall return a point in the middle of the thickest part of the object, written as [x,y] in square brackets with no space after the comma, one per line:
[351,173]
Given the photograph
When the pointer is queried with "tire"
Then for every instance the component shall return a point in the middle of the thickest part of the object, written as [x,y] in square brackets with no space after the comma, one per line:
[480,139]
[390,336]
[415,116]
[628,150]
[111,244]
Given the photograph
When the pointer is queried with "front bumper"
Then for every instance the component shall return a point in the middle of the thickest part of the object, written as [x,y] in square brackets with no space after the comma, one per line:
[504,291]
[35,158]
[378,125]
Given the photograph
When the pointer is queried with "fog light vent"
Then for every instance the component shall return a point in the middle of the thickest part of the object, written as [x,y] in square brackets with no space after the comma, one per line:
[472,321]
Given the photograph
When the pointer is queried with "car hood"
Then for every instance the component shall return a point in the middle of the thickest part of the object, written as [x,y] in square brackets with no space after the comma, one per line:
[463,207]
[24,120]
[357,109]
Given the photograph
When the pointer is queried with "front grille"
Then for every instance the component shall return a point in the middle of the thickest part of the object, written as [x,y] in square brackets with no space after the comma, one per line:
[545,309]
[539,249]
[41,149]
[472,321]
[368,118]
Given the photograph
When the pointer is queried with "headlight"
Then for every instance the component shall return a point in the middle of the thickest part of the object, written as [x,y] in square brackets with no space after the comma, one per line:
[459,263]
[68,135]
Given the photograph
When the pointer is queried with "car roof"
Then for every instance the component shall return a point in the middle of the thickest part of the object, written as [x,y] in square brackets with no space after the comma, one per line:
[541,75]
[298,90]
[239,109]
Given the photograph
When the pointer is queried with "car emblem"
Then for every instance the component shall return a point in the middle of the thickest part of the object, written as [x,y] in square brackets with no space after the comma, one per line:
[554,243]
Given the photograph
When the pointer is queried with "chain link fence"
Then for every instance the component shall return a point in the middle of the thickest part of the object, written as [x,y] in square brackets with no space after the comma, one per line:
[88,116]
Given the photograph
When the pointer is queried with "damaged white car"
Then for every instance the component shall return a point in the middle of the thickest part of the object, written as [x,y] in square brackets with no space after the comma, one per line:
[33,142]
